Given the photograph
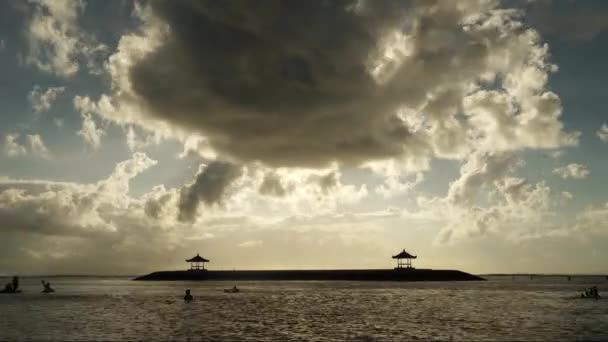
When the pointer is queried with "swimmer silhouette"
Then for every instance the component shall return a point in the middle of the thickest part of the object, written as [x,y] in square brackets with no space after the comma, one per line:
[15,283]
[234,289]
[12,287]
[47,287]
[188,297]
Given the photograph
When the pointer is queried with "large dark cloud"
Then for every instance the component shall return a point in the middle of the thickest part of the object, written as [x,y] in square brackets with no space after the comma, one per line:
[306,84]
[285,82]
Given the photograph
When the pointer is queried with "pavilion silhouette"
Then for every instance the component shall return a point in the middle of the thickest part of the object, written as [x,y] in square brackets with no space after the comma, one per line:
[197,263]
[408,260]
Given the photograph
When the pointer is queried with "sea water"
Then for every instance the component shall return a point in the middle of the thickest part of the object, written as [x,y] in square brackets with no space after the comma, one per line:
[503,308]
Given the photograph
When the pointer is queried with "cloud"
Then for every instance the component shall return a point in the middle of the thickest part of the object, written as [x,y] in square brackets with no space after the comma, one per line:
[55,42]
[41,101]
[66,226]
[396,185]
[480,170]
[69,208]
[250,243]
[488,199]
[209,187]
[136,143]
[271,185]
[517,208]
[574,170]
[593,219]
[89,132]
[34,142]
[281,192]
[70,225]
[254,191]
[12,148]
[37,146]
[373,82]
[602,133]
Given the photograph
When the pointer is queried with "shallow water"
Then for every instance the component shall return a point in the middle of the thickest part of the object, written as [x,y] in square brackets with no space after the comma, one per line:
[503,308]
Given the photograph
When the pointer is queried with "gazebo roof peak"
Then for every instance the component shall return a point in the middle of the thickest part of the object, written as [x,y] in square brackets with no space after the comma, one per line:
[404,255]
[197,258]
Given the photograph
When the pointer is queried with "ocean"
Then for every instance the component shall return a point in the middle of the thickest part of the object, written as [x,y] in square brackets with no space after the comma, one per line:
[117,308]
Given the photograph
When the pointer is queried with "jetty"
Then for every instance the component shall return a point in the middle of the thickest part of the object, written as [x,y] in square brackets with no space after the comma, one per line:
[403,272]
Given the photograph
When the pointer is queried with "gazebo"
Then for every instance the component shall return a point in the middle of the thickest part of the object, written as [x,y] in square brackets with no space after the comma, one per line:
[408,260]
[197,263]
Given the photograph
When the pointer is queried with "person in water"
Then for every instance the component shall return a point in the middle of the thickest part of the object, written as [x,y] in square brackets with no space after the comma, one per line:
[188,297]
[235,289]
[592,292]
[15,283]
[47,287]
[11,287]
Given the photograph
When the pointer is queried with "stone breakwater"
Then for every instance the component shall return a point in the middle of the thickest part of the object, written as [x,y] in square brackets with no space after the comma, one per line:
[351,275]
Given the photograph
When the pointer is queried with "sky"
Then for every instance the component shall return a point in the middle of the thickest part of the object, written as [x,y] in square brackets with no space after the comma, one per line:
[303,134]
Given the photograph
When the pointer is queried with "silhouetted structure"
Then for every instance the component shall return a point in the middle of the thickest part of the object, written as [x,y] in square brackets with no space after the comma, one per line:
[396,274]
[318,275]
[408,260]
[197,263]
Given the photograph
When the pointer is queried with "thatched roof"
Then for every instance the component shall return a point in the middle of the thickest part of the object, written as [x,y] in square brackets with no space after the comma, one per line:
[404,255]
[197,258]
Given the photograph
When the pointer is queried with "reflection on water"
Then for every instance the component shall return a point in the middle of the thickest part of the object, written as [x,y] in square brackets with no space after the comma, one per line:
[118,309]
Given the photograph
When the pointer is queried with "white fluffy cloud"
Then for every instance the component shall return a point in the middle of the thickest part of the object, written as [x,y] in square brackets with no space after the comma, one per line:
[106,220]
[37,146]
[136,142]
[602,133]
[574,170]
[89,132]
[488,199]
[55,41]
[480,170]
[41,101]
[12,147]
[398,185]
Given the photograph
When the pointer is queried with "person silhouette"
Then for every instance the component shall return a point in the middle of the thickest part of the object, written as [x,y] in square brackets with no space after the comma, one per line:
[47,287]
[15,283]
[188,297]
